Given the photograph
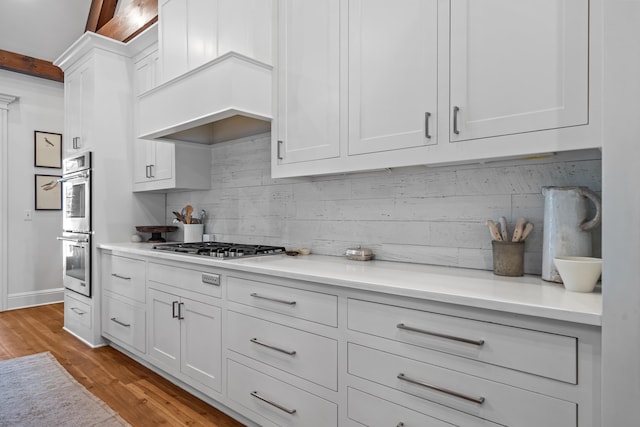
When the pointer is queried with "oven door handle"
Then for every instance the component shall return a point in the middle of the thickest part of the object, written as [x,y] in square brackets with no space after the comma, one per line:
[67,239]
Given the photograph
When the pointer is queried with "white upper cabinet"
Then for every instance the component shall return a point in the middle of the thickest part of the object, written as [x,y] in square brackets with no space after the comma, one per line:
[392,74]
[194,32]
[518,66]
[78,99]
[372,84]
[308,108]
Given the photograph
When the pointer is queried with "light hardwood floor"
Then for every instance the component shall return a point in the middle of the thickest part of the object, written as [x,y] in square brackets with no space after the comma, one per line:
[140,396]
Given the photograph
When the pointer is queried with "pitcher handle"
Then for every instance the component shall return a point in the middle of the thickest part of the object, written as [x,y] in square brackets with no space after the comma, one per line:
[597,219]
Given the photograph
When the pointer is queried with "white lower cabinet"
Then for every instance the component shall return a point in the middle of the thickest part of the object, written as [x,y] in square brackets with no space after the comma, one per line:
[285,352]
[184,337]
[278,402]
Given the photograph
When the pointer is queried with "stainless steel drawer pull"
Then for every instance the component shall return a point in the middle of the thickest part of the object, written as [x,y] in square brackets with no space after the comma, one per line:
[279,154]
[456,110]
[275,405]
[289,352]
[174,308]
[255,295]
[126,325]
[436,334]
[77,311]
[120,277]
[478,400]
[427,115]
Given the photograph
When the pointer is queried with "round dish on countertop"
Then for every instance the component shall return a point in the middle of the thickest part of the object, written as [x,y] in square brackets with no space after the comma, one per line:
[359,254]
[579,274]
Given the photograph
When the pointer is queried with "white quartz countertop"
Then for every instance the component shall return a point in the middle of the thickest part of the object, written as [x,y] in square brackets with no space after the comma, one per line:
[528,295]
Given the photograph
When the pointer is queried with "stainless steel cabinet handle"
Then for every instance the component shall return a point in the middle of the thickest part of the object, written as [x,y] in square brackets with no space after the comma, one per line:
[146,171]
[180,316]
[427,116]
[478,400]
[126,325]
[67,239]
[255,295]
[151,175]
[275,405]
[76,142]
[120,277]
[280,157]
[456,109]
[174,304]
[439,335]
[77,311]
[289,352]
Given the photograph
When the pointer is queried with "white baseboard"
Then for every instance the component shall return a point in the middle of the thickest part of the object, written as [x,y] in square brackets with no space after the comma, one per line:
[34,298]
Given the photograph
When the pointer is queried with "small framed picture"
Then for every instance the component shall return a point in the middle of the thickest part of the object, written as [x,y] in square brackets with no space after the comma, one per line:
[47,149]
[48,193]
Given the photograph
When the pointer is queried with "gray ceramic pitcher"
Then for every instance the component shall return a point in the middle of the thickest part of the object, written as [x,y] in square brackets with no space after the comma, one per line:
[567,229]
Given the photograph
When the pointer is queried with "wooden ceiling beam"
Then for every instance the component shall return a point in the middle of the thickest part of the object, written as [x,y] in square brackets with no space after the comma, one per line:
[131,20]
[32,66]
[101,12]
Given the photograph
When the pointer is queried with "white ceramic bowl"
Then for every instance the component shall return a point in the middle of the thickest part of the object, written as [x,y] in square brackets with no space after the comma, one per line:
[579,274]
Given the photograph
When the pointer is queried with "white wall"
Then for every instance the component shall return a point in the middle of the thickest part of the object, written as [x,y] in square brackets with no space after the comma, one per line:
[416,214]
[34,255]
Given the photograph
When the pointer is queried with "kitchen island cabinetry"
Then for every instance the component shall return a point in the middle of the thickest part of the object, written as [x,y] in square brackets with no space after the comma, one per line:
[419,82]
[161,166]
[324,341]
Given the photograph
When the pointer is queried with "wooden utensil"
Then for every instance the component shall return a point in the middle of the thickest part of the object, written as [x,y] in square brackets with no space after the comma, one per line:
[180,217]
[493,229]
[527,231]
[188,211]
[518,230]
[503,228]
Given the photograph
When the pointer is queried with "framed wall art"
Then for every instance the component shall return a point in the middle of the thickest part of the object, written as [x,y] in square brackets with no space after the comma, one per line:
[47,149]
[48,193]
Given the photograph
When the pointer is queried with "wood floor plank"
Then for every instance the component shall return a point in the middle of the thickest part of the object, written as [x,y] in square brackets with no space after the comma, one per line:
[138,394]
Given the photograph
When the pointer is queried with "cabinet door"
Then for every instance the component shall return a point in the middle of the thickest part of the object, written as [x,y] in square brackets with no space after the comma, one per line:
[201,357]
[78,107]
[517,66]
[161,160]
[172,33]
[392,74]
[164,329]
[308,80]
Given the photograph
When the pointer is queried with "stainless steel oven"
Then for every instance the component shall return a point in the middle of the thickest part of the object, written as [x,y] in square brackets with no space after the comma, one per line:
[76,262]
[76,179]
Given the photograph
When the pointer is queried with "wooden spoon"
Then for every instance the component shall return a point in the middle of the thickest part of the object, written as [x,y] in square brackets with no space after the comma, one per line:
[188,211]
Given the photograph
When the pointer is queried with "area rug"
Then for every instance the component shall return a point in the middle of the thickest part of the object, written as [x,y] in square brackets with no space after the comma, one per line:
[37,391]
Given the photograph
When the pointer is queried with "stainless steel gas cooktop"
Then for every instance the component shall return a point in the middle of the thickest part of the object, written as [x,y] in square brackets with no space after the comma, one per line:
[220,249]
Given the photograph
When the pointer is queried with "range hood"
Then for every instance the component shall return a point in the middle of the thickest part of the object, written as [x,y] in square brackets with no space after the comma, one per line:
[224,99]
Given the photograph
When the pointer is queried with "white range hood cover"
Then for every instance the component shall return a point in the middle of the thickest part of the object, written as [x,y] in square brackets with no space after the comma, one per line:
[224,99]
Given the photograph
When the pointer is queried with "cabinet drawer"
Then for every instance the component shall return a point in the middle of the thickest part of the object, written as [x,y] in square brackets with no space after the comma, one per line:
[372,411]
[124,276]
[548,355]
[300,353]
[486,399]
[124,322]
[314,306]
[283,404]
[193,280]
[77,314]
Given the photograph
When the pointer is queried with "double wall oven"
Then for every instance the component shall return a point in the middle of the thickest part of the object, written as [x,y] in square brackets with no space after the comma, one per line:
[76,224]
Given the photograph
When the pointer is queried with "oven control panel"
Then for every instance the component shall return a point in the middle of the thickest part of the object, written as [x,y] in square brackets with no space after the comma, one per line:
[211,279]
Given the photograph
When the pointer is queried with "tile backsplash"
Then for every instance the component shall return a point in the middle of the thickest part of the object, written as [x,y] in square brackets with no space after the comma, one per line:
[428,215]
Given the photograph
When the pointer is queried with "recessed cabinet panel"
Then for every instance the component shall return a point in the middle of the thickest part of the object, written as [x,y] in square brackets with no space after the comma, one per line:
[164,329]
[309,80]
[202,31]
[392,74]
[518,66]
[173,38]
[245,27]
